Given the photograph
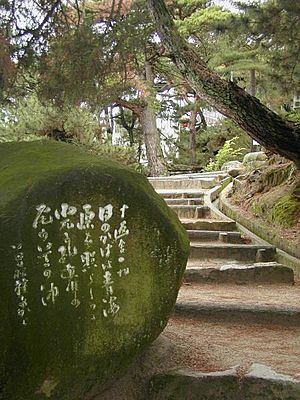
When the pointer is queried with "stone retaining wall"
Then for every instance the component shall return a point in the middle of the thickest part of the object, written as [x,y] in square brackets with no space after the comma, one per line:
[287,254]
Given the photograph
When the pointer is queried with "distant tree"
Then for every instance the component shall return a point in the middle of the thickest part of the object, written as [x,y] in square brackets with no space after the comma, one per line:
[274,26]
[94,53]
[7,68]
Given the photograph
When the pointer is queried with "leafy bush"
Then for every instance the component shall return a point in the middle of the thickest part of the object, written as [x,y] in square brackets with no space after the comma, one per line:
[209,142]
[293,116]
[228,152]
[214,137]
[123,154]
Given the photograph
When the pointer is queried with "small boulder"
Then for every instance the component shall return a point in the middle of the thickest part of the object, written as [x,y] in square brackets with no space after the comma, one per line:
[238,182]
[255,160]
[233,168]
[91,263]
[229,165]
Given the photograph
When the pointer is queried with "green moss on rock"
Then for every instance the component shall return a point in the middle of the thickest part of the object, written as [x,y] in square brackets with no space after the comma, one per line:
[276,176]
[91,263]
[277,206]
[286,211]
[296,190]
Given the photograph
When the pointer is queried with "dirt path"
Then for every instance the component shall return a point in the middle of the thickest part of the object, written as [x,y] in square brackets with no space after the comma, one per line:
[254,294]
[209,346]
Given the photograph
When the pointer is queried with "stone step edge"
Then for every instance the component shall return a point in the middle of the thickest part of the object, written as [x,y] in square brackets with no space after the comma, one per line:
[239,313]
[191,175]
[208,224]
[181,194]
[208,232]
[234,265]
[204,236]
[188,206]
[175,199]
[194,221]
[240,275]
[223,245]
[256,382]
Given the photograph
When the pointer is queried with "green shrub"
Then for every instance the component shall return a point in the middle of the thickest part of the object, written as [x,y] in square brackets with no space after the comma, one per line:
[123,154]
[29,117]
[208,142]
[30,120]
[228,152]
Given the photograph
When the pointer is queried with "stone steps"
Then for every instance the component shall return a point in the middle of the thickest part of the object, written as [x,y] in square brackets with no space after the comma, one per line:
[181,194]
[239,252]
[184,183]
[199,235]
[219,255]
[192,212]
[214,301]
[185,201]
[209,225]
[240,274]
[239,313]
[214,174]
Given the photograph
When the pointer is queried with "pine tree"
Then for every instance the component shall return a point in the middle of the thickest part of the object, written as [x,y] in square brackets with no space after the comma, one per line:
[260,122]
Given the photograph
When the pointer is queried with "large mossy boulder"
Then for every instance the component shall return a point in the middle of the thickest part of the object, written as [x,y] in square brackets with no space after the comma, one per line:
[91,260]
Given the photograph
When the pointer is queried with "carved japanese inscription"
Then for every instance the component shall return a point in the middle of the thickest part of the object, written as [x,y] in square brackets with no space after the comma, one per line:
[64,265]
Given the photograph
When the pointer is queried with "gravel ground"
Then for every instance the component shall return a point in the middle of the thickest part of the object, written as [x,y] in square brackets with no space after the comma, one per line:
[285,295]
[208,347]
[212,346]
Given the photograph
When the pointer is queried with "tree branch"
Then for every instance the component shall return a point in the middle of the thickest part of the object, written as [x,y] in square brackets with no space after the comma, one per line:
[262,124]
[136,108]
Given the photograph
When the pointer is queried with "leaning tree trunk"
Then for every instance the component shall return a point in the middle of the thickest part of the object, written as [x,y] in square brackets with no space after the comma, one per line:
[150,131]
[262,124]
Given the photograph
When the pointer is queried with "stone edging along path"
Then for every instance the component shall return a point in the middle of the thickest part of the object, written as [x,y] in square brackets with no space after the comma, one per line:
[258,314]
[258,382]
[286,253]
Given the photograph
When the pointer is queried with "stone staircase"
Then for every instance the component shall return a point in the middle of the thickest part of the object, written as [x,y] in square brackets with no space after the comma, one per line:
[237,305]
[219,252]
[235,332]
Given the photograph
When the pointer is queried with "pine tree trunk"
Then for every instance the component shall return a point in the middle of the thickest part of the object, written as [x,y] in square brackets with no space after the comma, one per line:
[252,90]
[203,120]
[151,140]
[262,124]
[150,131]
[129,127]
[192,133]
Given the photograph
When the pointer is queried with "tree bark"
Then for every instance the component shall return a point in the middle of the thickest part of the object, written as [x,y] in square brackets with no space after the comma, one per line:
[203,120]
[150,131]
[252,90]
[147,117]
[129,127]
[262,124]
[192,132]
